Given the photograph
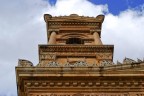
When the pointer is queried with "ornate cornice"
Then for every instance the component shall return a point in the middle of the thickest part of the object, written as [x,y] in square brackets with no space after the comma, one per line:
[73,17]
[84,67]
[125,78]
[76,48]
[74,23]
[34,79]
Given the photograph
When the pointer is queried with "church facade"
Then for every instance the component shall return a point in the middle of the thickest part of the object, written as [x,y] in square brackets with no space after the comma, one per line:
[75,62]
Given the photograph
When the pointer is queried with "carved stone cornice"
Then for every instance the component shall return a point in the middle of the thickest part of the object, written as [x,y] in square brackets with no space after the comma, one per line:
[76,48]
[108,70]
[73,17]
[74,23]
[124,79]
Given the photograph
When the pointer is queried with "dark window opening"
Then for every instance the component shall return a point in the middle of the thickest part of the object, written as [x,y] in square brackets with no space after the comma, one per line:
[75,41]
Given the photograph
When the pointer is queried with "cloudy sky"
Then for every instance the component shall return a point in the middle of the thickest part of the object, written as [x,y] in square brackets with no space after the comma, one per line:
[22,28]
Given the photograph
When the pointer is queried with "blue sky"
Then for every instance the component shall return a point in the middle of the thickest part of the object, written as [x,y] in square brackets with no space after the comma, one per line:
[114,6]
[22,28]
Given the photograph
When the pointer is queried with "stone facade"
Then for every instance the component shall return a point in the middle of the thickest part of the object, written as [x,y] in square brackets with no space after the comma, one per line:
[76,63]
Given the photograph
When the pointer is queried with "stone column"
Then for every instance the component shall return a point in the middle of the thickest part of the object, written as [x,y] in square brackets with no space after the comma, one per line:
[52,38]
[97,39]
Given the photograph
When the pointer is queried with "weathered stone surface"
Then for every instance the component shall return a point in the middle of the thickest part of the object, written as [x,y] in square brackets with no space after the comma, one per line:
[24,63]
[76,63]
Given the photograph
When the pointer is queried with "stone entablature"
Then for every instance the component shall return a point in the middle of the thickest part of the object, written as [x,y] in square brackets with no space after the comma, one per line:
[73,17]
[70,80]
[128,64]
[73,23]
[76,48]
[65,53]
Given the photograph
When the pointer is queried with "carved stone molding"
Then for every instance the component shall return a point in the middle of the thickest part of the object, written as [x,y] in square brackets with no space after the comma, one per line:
[106,63]
[109,84]
[49,56]
[80,48]
[88,94]
[49,64]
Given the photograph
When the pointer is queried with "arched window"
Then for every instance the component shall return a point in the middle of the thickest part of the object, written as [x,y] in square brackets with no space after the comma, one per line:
[75,41]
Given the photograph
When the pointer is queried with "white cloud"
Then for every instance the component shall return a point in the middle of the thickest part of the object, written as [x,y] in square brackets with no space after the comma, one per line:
[125,31]
[81,7]
[22,29]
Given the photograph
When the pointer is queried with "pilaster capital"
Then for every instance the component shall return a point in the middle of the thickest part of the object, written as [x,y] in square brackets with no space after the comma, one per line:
[53,30]
[93,31]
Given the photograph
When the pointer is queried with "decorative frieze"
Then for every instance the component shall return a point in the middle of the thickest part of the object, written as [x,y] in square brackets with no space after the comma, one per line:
[52,56]
[49,64]
[103,66]
[80,64]
[53,64]
[104,55]
[87,94]
[48,56]
[106,63]
[80,48]
[84,84]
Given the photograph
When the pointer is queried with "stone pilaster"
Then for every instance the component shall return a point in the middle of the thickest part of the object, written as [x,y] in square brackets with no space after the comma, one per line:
[52,39]
[97,39]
